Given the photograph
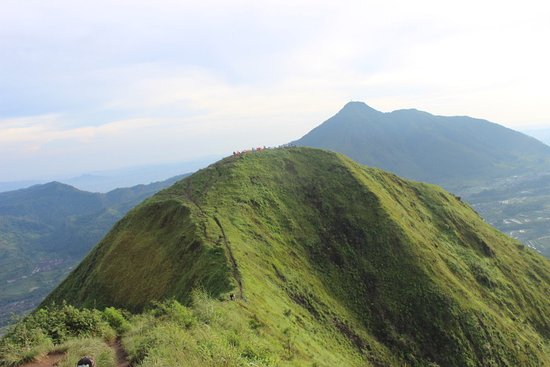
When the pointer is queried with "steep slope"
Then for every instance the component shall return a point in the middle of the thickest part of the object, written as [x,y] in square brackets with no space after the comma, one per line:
[424,147]
[47,229]
[370,269]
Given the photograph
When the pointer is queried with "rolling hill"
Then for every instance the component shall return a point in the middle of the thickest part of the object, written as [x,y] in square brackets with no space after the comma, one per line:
[47,229]
[343,264]
[471,157]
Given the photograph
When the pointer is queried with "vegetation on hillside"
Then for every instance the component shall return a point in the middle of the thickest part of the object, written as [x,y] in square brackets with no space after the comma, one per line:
[59,329]
[343,264]
[208,333]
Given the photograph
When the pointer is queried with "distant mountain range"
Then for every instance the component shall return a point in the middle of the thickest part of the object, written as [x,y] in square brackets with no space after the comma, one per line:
[471,157]
[328,262]
[107,180]
[450,151]
[46,229]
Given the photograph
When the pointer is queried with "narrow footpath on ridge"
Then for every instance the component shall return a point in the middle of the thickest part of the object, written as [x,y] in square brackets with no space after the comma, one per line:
[54,359]
[235,267]
[121,355]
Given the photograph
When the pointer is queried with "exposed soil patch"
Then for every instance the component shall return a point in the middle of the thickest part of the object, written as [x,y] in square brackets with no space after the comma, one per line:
[51,360]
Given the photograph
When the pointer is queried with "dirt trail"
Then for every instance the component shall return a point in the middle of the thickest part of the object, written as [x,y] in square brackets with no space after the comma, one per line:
[235,266]
[51,360]
[121,355]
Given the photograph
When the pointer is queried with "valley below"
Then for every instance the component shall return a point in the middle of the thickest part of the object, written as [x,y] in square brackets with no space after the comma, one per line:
[46,230]
[24,292]
[518,206]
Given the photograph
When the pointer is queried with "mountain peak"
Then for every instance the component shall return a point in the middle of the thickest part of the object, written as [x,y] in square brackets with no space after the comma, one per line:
[452,151]
[357,107]
[55,186]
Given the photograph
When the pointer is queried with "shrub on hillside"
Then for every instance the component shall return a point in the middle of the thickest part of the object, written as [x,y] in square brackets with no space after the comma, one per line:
[174,311]
[65,321]
[40,331]
[116,319]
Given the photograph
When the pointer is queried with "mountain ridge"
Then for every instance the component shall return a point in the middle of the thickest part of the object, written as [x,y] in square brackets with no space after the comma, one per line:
[395,271]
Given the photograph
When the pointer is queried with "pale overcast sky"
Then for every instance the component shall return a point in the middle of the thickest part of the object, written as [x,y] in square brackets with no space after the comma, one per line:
[94,85]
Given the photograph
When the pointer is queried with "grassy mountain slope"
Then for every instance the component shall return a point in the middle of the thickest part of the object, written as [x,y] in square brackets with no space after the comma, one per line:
[360,266]
[47,229]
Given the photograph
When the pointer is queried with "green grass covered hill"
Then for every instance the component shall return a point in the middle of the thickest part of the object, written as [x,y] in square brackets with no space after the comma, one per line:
[332,264]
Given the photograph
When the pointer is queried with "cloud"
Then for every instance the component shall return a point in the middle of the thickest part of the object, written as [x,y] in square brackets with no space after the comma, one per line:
[84,85]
